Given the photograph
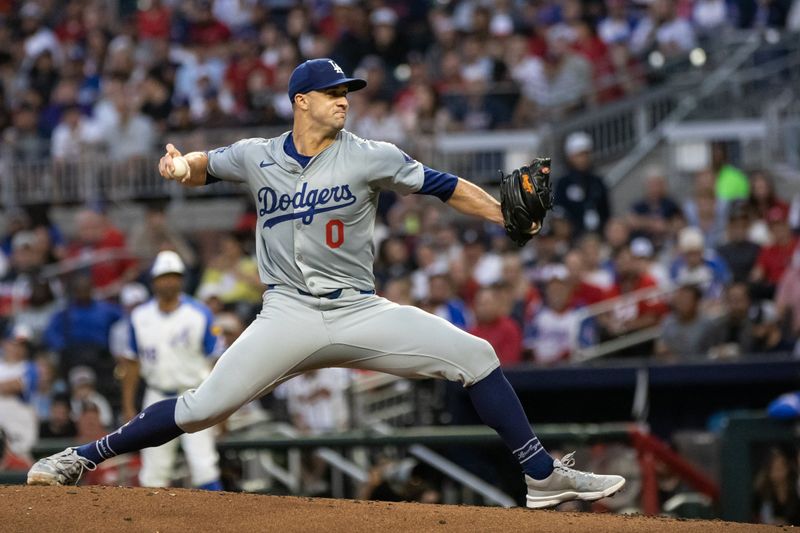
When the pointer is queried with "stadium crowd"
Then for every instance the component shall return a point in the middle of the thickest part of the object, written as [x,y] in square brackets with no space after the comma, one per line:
[87,75]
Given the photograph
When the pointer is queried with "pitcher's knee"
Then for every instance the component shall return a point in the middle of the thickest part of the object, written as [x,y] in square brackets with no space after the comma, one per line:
[193,414]
[483,361]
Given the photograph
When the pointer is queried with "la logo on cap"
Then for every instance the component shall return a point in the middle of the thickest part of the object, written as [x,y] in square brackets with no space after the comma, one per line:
[336,67]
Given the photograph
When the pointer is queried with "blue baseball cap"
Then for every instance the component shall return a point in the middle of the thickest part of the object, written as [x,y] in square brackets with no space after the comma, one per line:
[317,74]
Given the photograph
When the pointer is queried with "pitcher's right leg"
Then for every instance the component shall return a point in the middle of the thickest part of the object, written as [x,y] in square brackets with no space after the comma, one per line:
[285,333]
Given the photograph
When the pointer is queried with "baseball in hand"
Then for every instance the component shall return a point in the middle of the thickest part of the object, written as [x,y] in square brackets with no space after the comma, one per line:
[181,167]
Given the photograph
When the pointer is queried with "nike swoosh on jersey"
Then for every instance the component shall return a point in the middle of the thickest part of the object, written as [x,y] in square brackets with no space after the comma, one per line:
[264,164]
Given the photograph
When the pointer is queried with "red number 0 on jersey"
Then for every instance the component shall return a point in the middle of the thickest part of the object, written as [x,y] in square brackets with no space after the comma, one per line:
[334,233]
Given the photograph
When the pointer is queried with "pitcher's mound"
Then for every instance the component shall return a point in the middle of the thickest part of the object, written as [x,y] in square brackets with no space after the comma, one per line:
[121,509]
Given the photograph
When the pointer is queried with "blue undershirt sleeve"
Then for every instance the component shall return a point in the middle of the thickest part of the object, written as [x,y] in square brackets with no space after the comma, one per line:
[439,184]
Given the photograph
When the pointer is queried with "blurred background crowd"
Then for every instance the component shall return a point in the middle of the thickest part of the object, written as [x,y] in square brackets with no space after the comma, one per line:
[707,273]
[88,75]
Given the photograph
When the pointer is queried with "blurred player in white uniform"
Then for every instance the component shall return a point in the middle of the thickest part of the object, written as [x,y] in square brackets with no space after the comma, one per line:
[171,342]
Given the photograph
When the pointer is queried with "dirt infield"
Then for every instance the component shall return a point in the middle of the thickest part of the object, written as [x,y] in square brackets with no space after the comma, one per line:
[118,509]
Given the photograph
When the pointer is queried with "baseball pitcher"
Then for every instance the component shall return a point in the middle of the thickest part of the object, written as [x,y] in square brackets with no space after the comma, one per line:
[316,189]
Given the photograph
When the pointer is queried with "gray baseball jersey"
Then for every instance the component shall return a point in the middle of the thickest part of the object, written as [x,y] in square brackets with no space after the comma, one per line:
[315,223]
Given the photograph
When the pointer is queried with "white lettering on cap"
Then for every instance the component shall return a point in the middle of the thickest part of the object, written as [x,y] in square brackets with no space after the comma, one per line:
[336,67]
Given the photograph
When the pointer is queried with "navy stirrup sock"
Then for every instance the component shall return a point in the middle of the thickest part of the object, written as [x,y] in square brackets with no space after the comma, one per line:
[498,407]
[152,427]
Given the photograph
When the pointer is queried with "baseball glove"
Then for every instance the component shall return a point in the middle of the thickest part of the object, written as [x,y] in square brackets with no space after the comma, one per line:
[525,198]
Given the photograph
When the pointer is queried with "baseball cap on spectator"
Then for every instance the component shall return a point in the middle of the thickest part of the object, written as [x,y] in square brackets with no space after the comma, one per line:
[578,142]
[23,239]
[383,16]
[21,333]
[691,240]
[501,25]
[777,213]
[167,262]
[133,294]
[317,74]
[81,375]
[642,247]
[31,10]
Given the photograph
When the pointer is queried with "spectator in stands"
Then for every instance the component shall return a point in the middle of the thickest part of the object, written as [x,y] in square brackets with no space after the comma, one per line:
[393,260]
[398,290]
[581,291]
[82,382]
[154,233]
[234,273]
[41,305]
[617,234]
[494,324]
[380,122]
[80,332]
[644,252]
[663,30]
[581,192]
[731,183]
[485,266]
[119,338]
[73,136]
[734,332]
[429,263]
[618,24]
[15,286]
[60,424]
[739,252]
[130,134]
[556,330]
[38,38]
[604,76]
[650,216]
[18,380]
[686,334]
[546,252]
[769,335]
[558,83]
[705,210]
[698,266]
[710,17]
[777,500]
[441,302]
[762,198]
[787,295]
[599,269]
[627,317]
[48,385]
[22,141]
[775,257]
[525,297]
[100,247]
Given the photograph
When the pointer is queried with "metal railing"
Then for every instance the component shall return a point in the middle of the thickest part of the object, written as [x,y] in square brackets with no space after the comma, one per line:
[635,338]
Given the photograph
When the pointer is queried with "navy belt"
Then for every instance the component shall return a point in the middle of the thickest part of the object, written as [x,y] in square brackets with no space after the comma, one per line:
[331,295]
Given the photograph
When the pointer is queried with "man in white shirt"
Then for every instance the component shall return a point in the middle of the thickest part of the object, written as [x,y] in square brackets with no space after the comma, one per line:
[171,341]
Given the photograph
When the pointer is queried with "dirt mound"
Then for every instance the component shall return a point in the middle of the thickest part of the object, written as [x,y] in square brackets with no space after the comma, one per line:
[121,509]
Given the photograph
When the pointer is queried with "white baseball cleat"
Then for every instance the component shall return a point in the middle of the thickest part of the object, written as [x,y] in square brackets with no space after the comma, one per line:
[63,468]
[566,484]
